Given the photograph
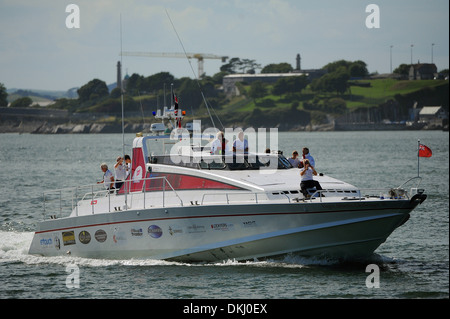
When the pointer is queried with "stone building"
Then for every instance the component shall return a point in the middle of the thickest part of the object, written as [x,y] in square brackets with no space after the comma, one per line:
[423,71]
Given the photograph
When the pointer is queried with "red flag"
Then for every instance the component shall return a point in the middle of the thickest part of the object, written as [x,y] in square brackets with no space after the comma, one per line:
[175,99]
[424,151]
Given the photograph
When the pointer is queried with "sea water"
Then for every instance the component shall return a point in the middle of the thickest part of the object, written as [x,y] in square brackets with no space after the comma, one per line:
[412,263]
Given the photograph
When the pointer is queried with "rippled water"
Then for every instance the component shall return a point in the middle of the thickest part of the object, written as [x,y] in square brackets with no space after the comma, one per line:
[414,261]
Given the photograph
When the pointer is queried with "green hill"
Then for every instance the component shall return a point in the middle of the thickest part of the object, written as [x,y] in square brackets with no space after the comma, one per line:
[389,98]
[315,107]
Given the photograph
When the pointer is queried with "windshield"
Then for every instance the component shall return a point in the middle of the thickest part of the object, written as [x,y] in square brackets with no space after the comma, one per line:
[248,161]
[198,156]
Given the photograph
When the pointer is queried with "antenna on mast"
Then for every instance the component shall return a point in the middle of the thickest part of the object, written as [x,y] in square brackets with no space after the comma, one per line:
[121,89]
[121,97]
[195,76]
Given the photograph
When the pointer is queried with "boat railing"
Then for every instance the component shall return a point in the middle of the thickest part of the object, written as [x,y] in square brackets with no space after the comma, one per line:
[419,180]
[290,197]
[361,194]
[236,197]
[67,200]
[58,202]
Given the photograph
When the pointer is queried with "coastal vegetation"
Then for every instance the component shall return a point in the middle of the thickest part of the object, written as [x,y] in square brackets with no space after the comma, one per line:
[295,101]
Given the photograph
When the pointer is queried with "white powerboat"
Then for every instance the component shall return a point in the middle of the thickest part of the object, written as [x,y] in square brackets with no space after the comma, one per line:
[204,207]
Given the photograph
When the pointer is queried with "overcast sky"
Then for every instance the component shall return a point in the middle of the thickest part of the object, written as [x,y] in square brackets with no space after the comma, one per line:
[38,50]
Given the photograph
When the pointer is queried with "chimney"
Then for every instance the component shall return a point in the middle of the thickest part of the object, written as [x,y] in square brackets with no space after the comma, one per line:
[298,68]
[119,75]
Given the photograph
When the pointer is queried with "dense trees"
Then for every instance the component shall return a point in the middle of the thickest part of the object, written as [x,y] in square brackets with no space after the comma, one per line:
[3,95]
[93,90]
[277,68]
[335,81]
[22,102]
[257,90]
[292,84]
[339,72]
[355,69]
[236,65]
[402,69]
[138,85]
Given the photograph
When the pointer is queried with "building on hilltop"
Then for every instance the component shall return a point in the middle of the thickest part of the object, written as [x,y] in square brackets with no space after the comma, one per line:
[423,71]
[229,81]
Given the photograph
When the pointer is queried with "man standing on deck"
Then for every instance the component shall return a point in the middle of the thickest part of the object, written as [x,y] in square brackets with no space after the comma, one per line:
[108,177]
[307,155]
[121,172]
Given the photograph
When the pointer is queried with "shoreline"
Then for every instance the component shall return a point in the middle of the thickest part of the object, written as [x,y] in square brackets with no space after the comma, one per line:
[60,127]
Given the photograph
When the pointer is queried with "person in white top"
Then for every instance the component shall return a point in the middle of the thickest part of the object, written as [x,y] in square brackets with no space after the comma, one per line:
[308,156]
[294,160]
[240,145]
[120,171]
[127,164]
[220,144]
[108,177]
[307,181]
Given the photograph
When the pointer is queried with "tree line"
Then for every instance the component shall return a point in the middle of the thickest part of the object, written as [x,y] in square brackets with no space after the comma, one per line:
[152,90]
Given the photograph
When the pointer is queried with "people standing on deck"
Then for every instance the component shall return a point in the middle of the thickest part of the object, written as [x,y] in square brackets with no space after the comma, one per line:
[127,164]
[240,145]
[120,171]
[294,160]
[307,181]
[108,177]
[307,155]
[220,144]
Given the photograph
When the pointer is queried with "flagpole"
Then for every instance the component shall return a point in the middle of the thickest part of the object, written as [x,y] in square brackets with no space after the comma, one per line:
[418,157]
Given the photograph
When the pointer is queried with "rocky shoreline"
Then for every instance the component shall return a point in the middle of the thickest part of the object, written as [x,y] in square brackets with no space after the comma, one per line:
[49,127]
[35,121]
[55,127]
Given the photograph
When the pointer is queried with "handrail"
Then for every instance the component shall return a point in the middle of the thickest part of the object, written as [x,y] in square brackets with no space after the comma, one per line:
[361,194]
[420,180]
[248,194]
[243,197]
[93,195]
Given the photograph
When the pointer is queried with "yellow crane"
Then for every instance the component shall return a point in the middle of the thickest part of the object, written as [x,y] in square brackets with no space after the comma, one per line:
[199,56]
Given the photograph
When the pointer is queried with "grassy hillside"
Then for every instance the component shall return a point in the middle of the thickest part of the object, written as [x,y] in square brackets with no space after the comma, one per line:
[285,111]
[380,91]
[366,93]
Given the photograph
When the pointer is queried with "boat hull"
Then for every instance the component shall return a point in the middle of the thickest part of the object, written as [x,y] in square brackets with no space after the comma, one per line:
[347,229]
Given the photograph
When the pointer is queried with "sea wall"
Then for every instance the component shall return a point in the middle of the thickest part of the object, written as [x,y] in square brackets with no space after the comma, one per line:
[40,121]
[43,121]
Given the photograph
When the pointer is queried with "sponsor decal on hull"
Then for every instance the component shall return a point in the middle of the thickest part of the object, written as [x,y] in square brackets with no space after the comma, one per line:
[175,230]
[68,238]
[155,231]
[84,237]
[222,226]
[100,235]
[136,232]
